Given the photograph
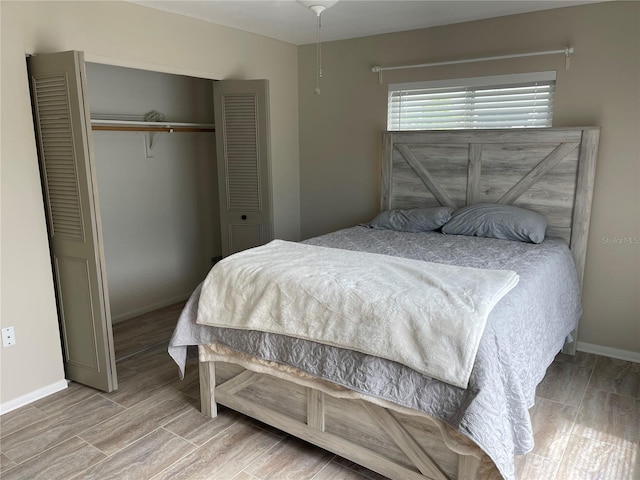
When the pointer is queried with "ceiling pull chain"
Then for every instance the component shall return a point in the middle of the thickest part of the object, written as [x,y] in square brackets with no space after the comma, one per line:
[318,56]
[317,7]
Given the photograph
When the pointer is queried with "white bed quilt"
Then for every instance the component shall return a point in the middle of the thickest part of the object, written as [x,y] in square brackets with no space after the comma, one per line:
[427,316]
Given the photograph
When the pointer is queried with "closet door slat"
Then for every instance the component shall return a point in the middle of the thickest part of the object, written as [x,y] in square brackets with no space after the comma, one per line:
[242,156]
[60,174]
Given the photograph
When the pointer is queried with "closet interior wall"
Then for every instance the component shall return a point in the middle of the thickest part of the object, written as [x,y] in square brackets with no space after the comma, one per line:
[159,208]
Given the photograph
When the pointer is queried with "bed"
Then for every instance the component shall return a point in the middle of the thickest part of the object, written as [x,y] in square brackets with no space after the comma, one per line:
[401,423]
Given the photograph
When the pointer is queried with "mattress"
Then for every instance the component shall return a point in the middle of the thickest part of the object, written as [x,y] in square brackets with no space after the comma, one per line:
[523,333]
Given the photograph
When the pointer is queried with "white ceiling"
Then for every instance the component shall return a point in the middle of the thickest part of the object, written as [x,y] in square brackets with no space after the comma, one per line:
[287,20]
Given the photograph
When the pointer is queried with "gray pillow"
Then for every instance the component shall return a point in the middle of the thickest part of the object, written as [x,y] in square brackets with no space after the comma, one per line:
[498,221]
[414,220]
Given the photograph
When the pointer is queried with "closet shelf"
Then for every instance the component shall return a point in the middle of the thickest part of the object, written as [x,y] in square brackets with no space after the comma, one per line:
[142,126]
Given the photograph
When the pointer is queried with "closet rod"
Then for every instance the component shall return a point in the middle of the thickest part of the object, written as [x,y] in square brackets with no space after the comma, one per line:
[167,129]
[566,51]
[141,126]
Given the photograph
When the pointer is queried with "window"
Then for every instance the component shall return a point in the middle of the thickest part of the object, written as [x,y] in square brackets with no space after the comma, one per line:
[505,101]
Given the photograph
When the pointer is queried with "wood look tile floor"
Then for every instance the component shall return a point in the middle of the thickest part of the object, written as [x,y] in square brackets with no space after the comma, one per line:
[586,423]
[144,331]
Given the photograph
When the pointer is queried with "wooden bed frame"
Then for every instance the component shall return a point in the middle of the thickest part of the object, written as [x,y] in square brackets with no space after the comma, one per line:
[550,171]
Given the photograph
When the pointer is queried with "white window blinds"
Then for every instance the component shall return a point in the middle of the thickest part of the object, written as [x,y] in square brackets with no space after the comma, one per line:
[506,101]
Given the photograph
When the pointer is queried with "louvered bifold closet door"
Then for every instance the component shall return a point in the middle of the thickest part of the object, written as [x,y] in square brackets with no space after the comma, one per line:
[241,116]
[58,89]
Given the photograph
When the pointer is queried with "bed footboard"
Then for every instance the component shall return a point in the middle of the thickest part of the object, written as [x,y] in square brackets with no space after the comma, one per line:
[396,445]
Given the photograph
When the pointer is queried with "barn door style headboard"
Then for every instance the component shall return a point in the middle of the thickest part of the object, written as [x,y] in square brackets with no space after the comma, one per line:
[550,171]
[547,170]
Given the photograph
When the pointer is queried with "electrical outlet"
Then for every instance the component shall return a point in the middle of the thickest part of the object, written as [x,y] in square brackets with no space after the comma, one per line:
[8,337]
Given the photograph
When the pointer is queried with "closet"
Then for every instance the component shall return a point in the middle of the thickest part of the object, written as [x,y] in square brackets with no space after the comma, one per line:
[157,185]
[141,195]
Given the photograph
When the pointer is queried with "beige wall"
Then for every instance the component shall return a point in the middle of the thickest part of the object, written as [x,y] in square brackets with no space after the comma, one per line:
[339,130]
[129,35]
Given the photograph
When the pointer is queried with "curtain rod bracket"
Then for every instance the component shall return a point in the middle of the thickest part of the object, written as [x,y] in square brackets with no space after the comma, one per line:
[378,69]
[567,57]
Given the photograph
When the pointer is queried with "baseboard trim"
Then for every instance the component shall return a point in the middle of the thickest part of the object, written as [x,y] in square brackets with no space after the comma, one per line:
[33,396]
[150,308]
[627,355]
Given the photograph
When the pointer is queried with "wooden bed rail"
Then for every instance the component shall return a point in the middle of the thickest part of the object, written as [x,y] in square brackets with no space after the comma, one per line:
[358,436]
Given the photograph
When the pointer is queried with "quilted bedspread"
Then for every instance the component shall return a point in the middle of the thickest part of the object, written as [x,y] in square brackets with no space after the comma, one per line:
[427,316]
[522,335]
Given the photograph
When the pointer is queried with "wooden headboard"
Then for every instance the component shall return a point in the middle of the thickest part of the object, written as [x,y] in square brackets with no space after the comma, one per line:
[547,170]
